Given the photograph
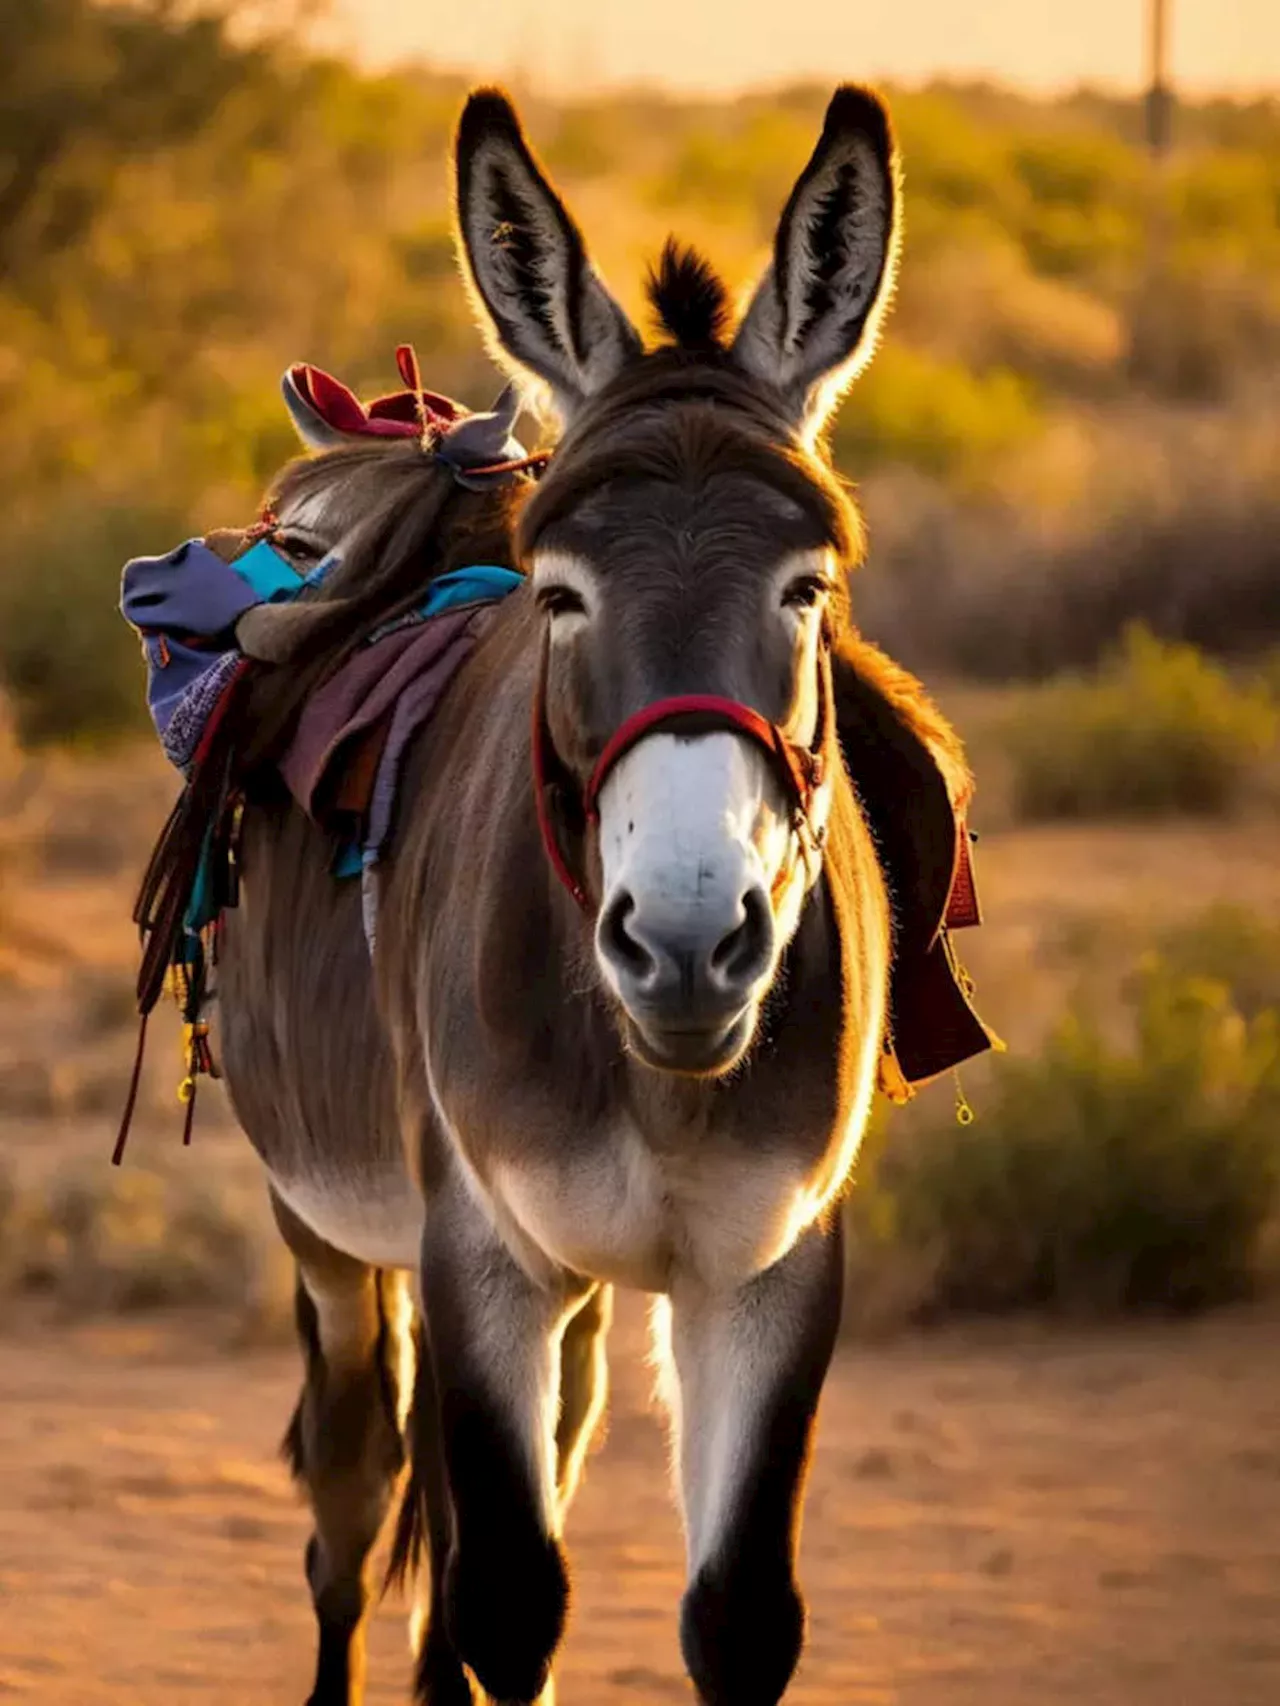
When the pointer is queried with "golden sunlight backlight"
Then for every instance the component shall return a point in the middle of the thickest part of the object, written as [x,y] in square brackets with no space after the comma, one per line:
[567,45]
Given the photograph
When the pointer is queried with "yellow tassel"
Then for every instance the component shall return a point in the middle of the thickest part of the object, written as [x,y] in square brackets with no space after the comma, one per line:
[187,1088]
[890,1079]
[964,1113]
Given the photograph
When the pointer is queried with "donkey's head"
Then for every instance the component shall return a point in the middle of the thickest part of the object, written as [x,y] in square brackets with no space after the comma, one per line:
[688,551]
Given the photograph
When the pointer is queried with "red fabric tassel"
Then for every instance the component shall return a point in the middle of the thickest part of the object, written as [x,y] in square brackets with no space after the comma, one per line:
[189,1121]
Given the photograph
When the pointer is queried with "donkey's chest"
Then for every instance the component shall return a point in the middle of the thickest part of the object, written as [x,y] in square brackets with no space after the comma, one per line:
[632,1216]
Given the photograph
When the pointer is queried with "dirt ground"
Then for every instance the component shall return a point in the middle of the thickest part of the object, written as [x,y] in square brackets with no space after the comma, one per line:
[997,1516]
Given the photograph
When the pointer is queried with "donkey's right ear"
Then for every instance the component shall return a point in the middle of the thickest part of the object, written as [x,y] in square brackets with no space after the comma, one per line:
[547,312]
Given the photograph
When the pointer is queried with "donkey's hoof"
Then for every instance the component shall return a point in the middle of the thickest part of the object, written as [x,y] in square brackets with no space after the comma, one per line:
[441,1680]
[507,1614]
[742,1636]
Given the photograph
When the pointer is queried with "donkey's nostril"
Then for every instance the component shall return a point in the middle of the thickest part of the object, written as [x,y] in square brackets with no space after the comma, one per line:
[619,944]
[741,957]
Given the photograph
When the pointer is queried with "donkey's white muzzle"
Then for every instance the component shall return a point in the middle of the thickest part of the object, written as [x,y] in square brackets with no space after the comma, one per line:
[692,836]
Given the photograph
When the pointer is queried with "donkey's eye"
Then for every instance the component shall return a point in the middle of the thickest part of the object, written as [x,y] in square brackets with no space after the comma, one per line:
[301,547]
[805,592]
[561,601]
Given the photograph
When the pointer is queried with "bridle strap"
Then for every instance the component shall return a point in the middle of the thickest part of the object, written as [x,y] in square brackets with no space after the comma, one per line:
[546,764]
[801,769]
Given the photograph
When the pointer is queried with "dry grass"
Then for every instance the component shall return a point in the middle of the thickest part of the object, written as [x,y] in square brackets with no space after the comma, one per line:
[1125,1154]
[1119,512]
[1159,731]
[1099,1176]
[95,1241]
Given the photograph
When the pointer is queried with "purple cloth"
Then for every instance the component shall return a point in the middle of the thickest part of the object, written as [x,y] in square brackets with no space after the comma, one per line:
[187,591]
[181,717]
[399,681]
[185,606]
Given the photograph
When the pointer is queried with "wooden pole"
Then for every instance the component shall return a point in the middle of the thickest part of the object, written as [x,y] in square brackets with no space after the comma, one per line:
[1159,94]
[1149,324]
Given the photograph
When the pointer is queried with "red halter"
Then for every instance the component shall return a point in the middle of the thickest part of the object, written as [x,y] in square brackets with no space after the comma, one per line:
[801,769]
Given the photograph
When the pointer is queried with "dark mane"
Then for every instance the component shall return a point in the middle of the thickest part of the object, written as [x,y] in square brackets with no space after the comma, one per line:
[407,521]
[690,298]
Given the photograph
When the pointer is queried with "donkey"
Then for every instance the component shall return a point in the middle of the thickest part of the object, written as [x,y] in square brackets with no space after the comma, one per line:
[624,1022]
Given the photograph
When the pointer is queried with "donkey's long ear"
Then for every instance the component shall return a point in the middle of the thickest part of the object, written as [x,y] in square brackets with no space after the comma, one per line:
[548,312]
[813,321]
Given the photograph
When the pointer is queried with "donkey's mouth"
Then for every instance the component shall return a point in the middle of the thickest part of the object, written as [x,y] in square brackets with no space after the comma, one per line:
[698,1051]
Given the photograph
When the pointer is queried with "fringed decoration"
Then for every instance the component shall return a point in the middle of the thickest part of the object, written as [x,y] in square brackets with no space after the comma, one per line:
[198,1057]
[190,1116]
[126,1119]
[189,881]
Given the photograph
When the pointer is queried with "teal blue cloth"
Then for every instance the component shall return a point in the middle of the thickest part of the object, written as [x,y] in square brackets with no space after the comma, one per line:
[476,584]
[268,573]
[348,861]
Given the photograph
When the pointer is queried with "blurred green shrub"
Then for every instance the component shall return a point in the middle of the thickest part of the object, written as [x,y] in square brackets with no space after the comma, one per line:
[149,299]
[1232,946]
[581,147]
[984,589]
[1098,1176]
[740,171]
[977,300]
[1268,673]
[1197,332]
[933,414]
[1159,730]
[68,662]
[1082,212]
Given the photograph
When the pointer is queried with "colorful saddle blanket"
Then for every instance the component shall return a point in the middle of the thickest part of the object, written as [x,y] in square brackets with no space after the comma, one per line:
[343,761]
[185,608]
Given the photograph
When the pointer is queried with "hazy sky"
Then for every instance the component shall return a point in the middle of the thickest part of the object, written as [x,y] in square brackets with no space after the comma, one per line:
[717,44]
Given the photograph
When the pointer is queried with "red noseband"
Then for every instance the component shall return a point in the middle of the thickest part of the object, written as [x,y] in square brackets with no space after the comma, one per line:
[800,769]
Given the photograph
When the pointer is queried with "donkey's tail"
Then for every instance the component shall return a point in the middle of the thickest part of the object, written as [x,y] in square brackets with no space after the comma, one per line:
[425,1481]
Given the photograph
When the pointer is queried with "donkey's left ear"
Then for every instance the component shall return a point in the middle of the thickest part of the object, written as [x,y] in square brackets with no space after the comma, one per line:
[813,321]
[548,312]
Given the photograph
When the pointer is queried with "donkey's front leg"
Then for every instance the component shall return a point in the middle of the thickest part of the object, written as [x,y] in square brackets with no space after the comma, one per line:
[749,1366]
[494,1335]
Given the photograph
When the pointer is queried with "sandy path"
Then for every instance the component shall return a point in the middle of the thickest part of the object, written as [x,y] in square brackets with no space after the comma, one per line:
[1002,1516]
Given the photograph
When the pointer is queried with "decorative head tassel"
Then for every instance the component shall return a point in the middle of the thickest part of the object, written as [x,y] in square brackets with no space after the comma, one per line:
[411,373]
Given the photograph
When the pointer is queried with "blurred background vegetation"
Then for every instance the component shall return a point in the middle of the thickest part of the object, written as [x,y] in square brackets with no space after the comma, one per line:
[1071,424]
[1069,455]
